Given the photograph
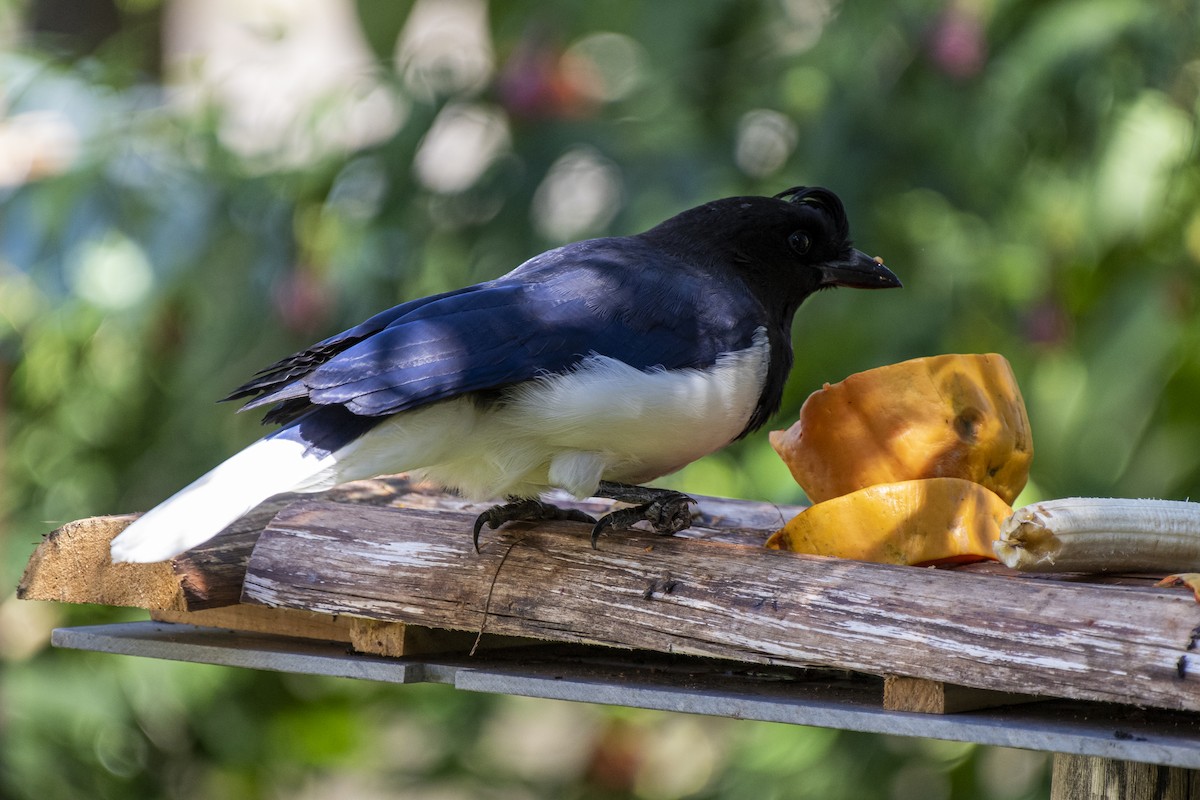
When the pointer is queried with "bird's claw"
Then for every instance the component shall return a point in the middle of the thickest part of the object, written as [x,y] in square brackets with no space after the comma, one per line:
[525,510]
[668,514]
[667,511]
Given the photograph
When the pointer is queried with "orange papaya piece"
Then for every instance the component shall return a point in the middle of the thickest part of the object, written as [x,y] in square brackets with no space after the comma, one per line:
[921,522]
[953,416]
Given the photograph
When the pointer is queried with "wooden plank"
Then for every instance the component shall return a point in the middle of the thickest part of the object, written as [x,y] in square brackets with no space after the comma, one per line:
[259,619]
[397,639]
[71,565]
[1108,643]
[1096,778]
[935,697]
[390,639]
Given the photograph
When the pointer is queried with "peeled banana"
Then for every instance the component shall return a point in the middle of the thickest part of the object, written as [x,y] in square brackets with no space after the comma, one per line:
[1102,534]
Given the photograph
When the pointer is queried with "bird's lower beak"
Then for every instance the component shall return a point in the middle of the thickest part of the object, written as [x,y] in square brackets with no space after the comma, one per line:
[859,271]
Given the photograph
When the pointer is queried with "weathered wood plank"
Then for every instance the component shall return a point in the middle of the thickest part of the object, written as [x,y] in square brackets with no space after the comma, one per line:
[71,565]
[1095,778]
[1109,643]
[210,576]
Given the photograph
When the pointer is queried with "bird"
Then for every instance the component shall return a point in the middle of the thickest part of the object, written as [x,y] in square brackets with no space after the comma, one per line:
[594,368]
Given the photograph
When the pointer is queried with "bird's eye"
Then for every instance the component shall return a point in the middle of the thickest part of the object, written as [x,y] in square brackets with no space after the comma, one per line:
[800,242]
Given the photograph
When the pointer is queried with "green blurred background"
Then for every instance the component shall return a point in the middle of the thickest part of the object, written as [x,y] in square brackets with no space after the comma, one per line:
[190,189]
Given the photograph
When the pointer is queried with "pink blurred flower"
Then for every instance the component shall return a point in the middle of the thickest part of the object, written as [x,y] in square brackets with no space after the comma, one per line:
[539,82]
[957,43]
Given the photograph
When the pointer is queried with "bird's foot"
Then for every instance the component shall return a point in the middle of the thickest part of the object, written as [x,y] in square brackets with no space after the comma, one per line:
[667,511]
[525,509]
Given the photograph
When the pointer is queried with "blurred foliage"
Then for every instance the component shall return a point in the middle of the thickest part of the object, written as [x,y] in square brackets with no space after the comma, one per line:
[1029,169]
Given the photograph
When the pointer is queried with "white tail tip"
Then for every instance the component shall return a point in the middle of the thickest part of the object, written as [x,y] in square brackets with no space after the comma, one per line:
[203,509]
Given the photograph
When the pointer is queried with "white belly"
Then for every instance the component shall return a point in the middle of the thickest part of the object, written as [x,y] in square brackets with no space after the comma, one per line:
[605,420]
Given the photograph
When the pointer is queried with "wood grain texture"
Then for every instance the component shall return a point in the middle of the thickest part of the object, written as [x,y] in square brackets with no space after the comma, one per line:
[258,619]
[1078,777]
[397,639]
[71,565]
[1074,640]
[935,697]
[210,576]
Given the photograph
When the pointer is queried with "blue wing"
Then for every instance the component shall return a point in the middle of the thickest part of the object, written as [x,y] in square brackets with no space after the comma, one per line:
[272,383]
[595,297]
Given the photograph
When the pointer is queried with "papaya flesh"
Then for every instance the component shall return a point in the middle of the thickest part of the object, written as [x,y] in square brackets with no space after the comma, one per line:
[954,416]
[920,522]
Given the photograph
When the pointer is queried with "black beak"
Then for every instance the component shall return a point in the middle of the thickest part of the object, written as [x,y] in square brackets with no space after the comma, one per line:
[859,271]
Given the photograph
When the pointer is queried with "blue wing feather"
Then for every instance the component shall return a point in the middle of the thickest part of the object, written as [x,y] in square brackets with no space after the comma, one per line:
[284,372]
[542,318]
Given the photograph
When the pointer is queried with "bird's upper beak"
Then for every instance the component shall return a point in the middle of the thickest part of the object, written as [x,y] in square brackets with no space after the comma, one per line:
[859,271]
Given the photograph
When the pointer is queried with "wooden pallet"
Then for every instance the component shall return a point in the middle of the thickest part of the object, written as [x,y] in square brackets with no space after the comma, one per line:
[388,568]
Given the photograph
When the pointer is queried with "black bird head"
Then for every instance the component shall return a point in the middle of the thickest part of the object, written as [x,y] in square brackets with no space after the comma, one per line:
[825,236]
[781,249]
[784,247]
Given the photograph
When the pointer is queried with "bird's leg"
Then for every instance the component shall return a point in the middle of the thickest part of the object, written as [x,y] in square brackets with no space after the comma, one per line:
[525,509]
[667,511]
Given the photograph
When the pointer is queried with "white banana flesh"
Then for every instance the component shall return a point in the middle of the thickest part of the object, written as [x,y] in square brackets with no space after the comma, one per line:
[1102,534]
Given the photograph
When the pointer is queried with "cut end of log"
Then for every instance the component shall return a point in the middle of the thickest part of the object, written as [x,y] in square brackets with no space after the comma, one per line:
[72,565]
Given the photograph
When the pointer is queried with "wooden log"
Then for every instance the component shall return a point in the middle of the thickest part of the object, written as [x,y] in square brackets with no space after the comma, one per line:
[1078,777]
[210,576]
[1078,641]
[935,697]
[72,565]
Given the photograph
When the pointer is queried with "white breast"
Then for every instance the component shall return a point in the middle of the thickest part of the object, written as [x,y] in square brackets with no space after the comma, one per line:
[604,420]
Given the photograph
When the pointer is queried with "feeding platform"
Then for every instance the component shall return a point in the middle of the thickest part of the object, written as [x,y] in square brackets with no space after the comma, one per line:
[378,580]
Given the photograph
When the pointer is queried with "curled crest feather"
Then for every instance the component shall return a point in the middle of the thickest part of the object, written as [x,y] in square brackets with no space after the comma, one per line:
[824,199]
